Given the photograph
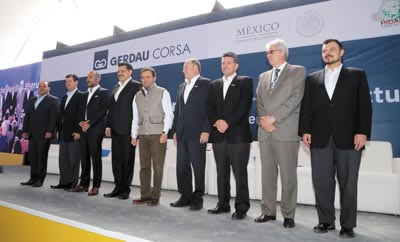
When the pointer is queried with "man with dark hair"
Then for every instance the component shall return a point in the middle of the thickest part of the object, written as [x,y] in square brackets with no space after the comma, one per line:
[191,130]
[28,94]
[336,114]
[91,119]
[152,120]
[118,127]
[228,105]
[68,134]
[39,126]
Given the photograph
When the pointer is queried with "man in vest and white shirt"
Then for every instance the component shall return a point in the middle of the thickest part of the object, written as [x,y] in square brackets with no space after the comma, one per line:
[152,119]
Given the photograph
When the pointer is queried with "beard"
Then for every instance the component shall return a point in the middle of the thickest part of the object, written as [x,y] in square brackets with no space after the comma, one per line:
[331,61]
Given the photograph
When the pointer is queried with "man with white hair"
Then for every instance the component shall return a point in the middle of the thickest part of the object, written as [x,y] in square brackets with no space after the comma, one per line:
[279,95]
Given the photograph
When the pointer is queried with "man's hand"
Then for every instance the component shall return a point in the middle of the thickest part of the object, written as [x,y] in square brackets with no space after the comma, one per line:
[359,141]
[267,120]
[76,136]
[204,137]
[163,138]
[307,140]
[25,135]
[108,132]
[270,128]
[48,135]
[133,142]
[85,125]
[221,125]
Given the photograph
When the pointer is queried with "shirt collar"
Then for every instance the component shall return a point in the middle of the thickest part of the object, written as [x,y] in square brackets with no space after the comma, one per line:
[72,92]
[280,67]
[149,89]
[120,83]
[334,70]
[93,89]
[193,80]
[230,78]
[43,95]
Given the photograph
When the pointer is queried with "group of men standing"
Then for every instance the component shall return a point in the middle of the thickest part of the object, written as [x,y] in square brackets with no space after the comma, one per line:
[332,107]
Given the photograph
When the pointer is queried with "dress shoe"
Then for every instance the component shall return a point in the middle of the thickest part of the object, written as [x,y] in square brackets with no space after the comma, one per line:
[69,186]
[347,233]
[94,191]
[264,218]
[28,183]
[196,206]
[220,209]
[153,202]
[182,202]
[79,189]
[141,201]
[37,184]
[323,228]
[111,194]
[289,223]
[59,186]
[238,215]
[123,196]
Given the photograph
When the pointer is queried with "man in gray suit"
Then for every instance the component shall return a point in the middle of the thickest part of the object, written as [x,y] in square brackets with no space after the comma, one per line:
[279,95]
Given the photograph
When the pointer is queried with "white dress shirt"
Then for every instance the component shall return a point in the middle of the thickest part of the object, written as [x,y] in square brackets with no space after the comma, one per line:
[120,88]
[227,83]
[188,87]
[168,114]
[91,91]
[331,78]
[69,96]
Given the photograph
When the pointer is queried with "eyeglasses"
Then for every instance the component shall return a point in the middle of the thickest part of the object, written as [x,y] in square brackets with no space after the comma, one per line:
[270,52]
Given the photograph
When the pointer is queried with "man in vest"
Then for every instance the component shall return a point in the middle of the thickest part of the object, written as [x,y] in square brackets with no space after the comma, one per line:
[152,118]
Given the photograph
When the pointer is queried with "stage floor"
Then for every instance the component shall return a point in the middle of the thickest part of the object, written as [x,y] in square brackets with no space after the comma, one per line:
[164,223]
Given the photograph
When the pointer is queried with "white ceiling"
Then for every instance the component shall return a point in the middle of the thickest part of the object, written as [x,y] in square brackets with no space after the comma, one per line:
[27,28]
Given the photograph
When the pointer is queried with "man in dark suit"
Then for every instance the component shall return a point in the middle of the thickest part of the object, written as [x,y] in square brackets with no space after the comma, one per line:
[335,121]
[119,123]
[228,105]
[7,99]
[13,100]
[39,126]
[91,119]
[191,131]
[68,134]
[28,94]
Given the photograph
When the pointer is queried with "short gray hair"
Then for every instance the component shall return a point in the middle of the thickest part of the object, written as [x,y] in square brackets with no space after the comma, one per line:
[280,44]
[195,62]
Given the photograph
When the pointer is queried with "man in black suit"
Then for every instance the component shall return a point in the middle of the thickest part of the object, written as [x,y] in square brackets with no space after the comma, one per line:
[39,126]
[7,99]
[191,131]
[335,121]
[68,134]
[228,105]
[28,94]
[91,119]
[119,123]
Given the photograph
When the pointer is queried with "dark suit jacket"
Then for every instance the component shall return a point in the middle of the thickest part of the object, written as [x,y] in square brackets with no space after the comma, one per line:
[120,114]
[234,109]
[96,110]
[68,117]
[43,119]
[190,119]
[26,98]
[7,100]
[348,113]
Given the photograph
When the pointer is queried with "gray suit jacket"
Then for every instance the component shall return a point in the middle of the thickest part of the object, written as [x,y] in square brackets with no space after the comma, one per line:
[282,102]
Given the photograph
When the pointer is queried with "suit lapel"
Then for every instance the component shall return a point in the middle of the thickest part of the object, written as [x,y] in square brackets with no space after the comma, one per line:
[94,96]
[63,101]
[339,84]
[41,102]
[194,89]
[231,87]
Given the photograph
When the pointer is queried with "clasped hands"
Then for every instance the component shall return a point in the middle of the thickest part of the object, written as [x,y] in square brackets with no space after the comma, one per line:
[268,123]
